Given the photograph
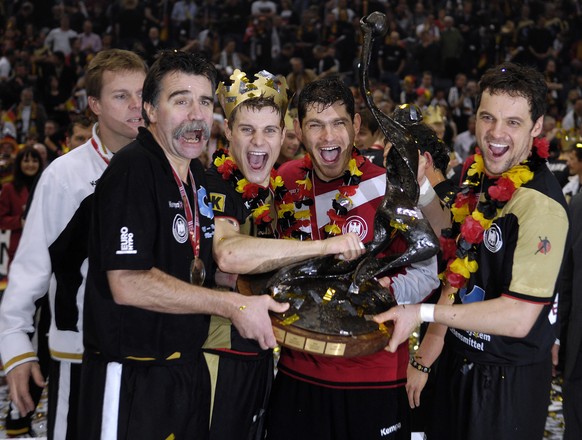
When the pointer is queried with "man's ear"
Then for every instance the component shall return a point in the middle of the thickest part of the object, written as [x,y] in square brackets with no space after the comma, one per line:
[227,131]
[150,111]
[428,158]
[298,131]
[94,105]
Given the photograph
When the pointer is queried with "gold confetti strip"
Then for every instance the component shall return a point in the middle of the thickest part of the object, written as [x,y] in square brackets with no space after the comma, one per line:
[290,320]
[328,295]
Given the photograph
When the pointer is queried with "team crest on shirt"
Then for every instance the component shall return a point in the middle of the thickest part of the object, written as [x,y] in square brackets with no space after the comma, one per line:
[357,225]
[180,228]
[492,238]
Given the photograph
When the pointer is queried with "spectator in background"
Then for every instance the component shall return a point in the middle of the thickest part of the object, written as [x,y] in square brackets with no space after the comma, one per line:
[78,132]
[53,139]
[408,94]
[263,7]
[391,61]
[299,76]
[325,62]
[6,64]
[465,141]
[27,115]
[452,45]
[291,146]
[184,18]
[59,39]
[90,41]
[128,24]
[370,139]
[14,195]
[152,44]
[573,119]
[575,168]
[8,148]
[281,63]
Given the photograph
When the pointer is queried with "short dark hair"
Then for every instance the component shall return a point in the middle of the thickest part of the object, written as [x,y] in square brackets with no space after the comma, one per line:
[83,121]
[170,61]
[516,80]
[428,141]
[326,92]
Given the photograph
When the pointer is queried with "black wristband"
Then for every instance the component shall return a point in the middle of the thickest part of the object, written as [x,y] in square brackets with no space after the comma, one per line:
[418,366]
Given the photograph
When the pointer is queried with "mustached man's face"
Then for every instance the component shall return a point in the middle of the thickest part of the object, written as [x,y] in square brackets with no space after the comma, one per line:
[182,119]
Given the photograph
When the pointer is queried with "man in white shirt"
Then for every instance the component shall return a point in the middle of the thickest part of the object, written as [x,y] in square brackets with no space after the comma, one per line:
[59,39]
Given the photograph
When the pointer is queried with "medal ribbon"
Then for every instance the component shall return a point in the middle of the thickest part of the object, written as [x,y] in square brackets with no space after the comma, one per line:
[192,219]
[105,158]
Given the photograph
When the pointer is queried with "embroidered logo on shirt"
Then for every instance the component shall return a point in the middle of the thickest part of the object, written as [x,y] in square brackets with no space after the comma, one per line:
[176,205]
[357,225]
[544,246]
[125,242]
[180,229]
[493,239]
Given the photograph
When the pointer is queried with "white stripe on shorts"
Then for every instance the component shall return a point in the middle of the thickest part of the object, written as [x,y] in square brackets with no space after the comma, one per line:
[64,393]
[110,411]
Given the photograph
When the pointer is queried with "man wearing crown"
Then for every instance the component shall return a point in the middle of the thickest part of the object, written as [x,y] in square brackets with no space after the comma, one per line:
[335,190]
[242,186]
[504,254]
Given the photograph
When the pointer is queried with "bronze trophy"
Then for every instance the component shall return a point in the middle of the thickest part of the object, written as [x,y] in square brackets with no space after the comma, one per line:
[332,300]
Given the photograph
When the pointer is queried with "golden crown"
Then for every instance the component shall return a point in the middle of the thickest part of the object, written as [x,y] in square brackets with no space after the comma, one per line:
[266,85]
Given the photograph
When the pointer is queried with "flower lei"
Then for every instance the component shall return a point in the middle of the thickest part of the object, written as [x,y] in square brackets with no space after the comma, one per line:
[471,217]
[253,193]
[292,218]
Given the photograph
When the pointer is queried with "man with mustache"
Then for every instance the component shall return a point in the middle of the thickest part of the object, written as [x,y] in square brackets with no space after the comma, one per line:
[147,300]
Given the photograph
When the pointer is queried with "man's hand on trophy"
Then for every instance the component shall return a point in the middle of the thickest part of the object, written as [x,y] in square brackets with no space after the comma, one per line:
[345,247]
[406,319]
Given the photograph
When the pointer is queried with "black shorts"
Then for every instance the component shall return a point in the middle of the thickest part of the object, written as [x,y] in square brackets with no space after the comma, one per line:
[300,410]
[484,402]
[240,387]
[140,400]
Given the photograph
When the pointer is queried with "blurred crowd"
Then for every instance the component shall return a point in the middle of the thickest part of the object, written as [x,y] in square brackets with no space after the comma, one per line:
[432,55]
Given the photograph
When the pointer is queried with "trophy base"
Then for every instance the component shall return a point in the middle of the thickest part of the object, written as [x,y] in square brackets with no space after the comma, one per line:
[321,325]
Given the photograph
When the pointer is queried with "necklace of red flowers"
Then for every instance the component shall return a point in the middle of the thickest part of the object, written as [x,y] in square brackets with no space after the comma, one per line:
[474,213]
[255,195]
[294,221]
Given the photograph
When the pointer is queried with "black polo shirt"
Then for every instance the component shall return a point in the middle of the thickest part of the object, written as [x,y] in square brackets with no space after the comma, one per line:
[139,223]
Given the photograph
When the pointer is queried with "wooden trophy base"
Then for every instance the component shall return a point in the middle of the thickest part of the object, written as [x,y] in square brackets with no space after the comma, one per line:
[329,327]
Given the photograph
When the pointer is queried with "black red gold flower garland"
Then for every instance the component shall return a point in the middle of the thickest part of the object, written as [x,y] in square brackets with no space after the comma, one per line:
[289,207]
[256,195]
[471,217]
